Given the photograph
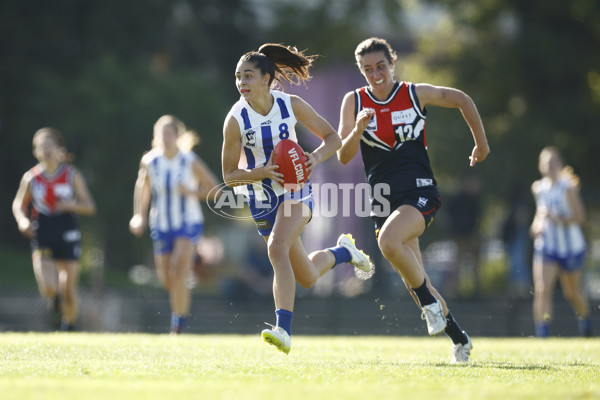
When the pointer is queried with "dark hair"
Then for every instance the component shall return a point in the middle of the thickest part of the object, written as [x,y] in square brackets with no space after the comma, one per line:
[58,139]
[373,45]
[281,62]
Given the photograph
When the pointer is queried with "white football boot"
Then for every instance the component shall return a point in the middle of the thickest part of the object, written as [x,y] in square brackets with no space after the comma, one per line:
[461,352]
[278,337]
[433,314]
[359,259]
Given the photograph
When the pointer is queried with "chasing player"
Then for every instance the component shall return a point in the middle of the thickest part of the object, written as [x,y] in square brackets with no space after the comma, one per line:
[56,192]
[386,120]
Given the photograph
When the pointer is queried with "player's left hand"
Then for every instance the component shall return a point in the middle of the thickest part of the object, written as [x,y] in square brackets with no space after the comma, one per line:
[310,163]
[479,154]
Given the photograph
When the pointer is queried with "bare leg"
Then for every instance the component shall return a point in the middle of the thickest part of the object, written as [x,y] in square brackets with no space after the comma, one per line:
[414,246]
[309,268]
[404,225]
[571,285]
[180,264]
[46,272]
[68,279]
[544,280]
[161,261]
[398,241]
[285,234]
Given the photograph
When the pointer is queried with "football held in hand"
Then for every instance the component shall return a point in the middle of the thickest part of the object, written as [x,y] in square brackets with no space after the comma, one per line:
[290,158]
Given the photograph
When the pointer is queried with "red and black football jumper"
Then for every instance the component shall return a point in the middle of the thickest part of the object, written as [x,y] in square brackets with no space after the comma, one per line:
[57,235]
[394,152]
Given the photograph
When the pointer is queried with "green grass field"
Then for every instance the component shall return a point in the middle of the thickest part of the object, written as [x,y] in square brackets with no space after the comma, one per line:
[140,366]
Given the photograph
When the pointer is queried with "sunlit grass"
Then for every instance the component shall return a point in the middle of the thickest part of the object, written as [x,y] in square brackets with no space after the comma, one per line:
[140,366]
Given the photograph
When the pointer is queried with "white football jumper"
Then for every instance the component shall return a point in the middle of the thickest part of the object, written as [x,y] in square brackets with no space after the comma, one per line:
[170,210]
[260,134]
[557,239]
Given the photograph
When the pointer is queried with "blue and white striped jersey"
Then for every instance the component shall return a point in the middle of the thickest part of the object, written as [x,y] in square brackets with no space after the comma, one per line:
[557,239]
[260,134]
[170,210]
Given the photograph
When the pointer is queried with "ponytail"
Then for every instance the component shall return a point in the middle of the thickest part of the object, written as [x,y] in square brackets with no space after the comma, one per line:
[186,139]
[281,63]
[568,173]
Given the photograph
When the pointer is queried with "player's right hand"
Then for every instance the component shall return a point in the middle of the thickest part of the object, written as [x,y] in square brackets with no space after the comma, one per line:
[363,118]
[137,225]
[270,171]
[26,228]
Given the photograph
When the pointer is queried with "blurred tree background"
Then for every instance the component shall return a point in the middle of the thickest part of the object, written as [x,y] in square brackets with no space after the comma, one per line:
[102,72]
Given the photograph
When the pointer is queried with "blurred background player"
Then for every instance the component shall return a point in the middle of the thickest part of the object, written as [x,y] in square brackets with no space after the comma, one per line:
[386,119]
[175,179]
[56,191]
[559,244]
[252,129]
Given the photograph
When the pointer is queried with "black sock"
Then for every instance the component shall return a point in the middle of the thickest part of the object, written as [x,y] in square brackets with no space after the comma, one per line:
[424,295]
[454,332]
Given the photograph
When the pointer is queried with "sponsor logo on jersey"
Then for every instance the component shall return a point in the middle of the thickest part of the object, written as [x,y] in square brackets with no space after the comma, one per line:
[250,138]
[372,124]
[403,117]
[63,190]
[424,182]
[422,202]
[268,122]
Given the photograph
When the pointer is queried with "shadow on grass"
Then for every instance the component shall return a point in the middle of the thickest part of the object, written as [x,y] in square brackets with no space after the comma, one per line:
[511,366]
[480,365]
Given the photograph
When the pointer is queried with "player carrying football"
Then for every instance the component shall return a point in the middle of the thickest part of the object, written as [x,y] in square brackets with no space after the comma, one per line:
[386,119]
[256,123]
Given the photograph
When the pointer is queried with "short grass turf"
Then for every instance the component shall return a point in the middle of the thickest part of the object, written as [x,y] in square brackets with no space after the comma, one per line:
[141,366]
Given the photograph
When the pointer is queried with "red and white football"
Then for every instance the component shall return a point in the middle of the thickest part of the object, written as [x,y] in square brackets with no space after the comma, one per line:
[290,158]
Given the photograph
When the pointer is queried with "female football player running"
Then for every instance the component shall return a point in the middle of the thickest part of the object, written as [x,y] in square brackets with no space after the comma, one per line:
[57,192]
[256,123]
[559,244]
[176,179]
[386,119]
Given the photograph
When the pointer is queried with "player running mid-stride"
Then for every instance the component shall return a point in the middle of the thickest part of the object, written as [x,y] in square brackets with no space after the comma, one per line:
[559,242]
[56,192]
[386,120]
[172,180]
[256,123]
